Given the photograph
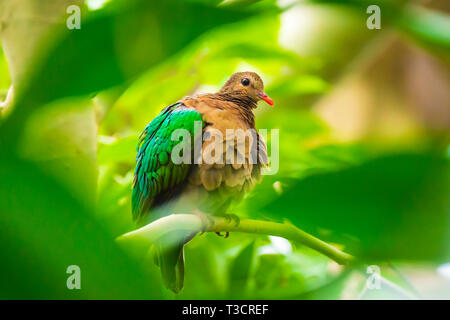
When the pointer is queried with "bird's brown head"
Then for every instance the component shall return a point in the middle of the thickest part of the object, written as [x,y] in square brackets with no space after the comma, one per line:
[246,84]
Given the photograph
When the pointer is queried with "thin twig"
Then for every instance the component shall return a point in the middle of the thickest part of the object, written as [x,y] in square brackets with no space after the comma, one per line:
[190,222]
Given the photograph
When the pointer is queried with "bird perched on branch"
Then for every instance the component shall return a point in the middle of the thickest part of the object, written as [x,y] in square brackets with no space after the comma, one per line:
[199,155]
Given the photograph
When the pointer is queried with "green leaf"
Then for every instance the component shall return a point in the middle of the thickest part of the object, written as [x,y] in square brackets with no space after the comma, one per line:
[121,150]
[61,139]
[300,85]
[429,27]
[390,207]
[203,279]
[275,278]
[102,53]
[113,46]
[44,229]
[240,269]
[4,76]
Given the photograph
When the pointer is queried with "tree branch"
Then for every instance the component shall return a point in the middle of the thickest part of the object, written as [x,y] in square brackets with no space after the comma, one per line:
[187,222]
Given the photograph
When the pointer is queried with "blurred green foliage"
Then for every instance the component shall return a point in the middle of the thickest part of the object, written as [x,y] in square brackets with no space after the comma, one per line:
[68,150]
[5,82]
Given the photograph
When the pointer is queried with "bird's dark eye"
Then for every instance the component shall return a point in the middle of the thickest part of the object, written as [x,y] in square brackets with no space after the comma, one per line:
[245,81]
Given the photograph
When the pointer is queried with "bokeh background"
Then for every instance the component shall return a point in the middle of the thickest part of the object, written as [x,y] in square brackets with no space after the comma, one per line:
[364,118]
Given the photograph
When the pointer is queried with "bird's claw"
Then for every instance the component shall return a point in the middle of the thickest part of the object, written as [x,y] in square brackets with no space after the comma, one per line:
[227,234]
[208,222]
[229,218]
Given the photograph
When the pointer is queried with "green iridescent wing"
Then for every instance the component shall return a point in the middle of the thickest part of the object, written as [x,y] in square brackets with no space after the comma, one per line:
[156,176]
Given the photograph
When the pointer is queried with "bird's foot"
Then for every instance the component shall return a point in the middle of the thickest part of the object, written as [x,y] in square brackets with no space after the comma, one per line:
[207,221]
[230,217]
[227,234]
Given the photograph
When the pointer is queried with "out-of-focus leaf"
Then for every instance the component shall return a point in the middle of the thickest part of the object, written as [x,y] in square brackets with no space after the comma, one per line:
[44,229]
[240,269]
[429,27]
[386,290]
[4,76]
[109,55]
[341,287]
[114,199]
[121,150]
[261,4]
[27,25]
[103,54]
[263,194]
[237,3]
[248,51]
[61,140]
[205,61]
[394,207]
[204,278]
[305,84]
[298,163]
[274,278]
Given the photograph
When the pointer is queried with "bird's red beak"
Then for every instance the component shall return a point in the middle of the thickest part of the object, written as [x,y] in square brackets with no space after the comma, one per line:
[266,98]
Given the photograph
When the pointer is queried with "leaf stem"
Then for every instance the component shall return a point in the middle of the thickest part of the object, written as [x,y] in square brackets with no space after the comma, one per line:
[156,229]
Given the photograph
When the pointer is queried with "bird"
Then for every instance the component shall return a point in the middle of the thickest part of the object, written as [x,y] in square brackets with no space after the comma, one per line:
[204,183]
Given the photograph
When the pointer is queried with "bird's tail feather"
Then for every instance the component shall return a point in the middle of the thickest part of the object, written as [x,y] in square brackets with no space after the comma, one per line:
[169,256]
